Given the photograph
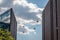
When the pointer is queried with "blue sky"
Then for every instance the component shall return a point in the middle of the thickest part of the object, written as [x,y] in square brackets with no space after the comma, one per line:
[28,15]
[40,3]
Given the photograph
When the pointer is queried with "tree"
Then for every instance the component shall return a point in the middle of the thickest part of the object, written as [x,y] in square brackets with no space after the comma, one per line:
[5,35]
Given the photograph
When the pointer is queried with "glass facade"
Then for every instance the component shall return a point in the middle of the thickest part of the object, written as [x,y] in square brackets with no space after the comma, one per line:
[5,17]
[5,20]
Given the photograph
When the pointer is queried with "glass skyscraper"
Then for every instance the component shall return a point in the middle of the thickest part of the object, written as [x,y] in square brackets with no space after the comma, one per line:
[5,20]
[8,21]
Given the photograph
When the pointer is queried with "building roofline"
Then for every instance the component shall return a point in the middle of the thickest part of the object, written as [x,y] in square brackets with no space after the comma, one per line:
[6,11]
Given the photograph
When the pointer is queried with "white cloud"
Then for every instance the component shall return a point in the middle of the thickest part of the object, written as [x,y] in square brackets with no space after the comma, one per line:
[31,6]
[28,10]
[1,1]
[21,21]
[39,16]
[35,23]
[25,30]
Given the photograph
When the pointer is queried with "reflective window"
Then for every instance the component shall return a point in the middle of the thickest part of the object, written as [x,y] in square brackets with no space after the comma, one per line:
[5,17]
[5,20]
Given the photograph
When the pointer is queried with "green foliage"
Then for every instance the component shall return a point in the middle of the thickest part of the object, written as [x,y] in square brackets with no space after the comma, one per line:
[5,35]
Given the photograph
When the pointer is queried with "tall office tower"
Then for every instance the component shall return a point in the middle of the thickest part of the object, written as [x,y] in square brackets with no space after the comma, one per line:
[51,20]
[8,21]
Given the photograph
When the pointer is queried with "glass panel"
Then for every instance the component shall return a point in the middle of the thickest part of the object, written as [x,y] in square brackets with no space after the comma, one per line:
[5,20]
[5,17]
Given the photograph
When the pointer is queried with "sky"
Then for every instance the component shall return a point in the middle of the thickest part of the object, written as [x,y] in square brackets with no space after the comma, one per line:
[28,15]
